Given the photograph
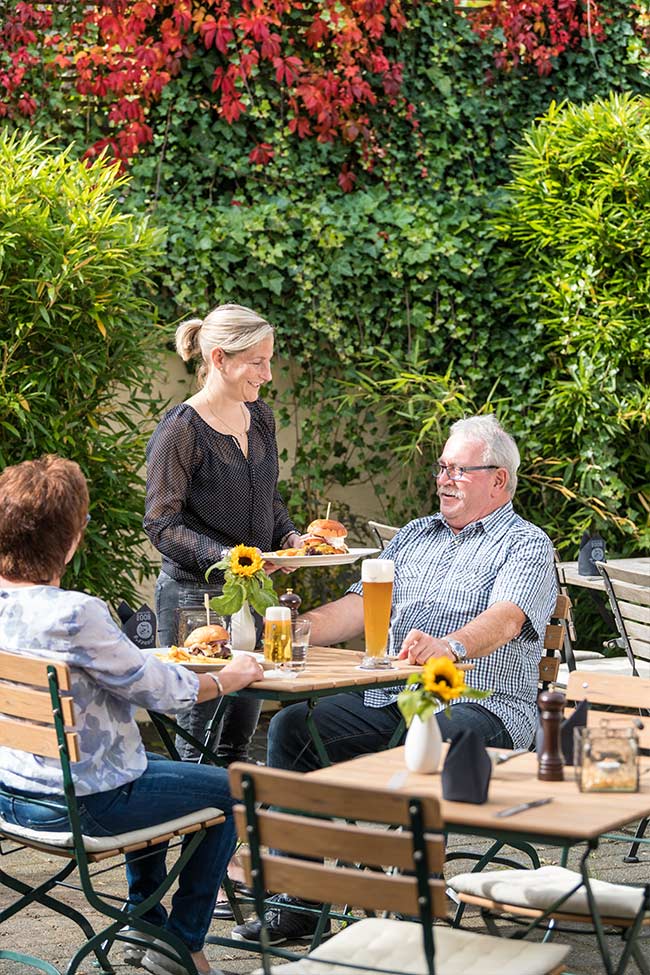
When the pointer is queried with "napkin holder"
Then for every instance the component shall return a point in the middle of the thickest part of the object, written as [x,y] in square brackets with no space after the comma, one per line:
[467,770]
[139,625]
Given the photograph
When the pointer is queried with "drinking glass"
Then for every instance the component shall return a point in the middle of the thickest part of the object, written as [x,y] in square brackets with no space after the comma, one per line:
[377,576]
[300,634]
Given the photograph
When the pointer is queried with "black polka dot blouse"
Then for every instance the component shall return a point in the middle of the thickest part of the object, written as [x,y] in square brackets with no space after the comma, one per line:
[204,495]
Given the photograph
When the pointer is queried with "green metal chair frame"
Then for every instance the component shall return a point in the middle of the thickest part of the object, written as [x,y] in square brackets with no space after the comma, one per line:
[32,688]
[404,867]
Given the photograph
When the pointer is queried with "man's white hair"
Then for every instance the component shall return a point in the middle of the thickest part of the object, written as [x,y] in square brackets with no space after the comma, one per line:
[498,446]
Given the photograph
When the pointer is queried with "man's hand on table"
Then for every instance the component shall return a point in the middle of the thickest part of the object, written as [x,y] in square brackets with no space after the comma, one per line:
[418,647]
[239,673]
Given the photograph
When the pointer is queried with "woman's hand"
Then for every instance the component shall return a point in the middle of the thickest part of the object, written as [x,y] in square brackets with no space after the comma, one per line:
[240,672]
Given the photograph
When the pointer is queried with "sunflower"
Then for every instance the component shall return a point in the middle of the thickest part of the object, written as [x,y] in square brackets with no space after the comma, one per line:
[442,679]
[245,561]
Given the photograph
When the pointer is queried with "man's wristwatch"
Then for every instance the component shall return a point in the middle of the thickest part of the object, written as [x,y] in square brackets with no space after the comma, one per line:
[458,649]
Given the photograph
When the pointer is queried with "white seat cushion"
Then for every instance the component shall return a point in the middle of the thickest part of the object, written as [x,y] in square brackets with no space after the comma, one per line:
[539,889]
[393,944]
[98,844]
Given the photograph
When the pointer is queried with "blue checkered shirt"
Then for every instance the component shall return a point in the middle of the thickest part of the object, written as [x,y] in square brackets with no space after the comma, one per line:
[443,580]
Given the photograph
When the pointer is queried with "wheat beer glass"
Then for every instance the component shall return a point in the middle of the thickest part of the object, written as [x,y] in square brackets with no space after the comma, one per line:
[377,577]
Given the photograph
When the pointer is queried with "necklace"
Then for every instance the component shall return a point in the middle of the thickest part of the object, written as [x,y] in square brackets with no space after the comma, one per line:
[220,419]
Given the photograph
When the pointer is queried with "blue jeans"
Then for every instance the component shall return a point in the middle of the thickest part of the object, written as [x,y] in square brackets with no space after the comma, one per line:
[166,790]
[349,728]
[232,736]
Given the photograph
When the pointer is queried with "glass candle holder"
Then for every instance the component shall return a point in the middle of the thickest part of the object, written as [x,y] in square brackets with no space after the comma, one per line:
[607,758]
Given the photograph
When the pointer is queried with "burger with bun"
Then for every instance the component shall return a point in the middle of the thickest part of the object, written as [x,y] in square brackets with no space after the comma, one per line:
[208,641]
[325,532]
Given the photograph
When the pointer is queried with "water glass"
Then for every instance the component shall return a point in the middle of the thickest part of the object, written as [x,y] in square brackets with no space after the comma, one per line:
[300,634]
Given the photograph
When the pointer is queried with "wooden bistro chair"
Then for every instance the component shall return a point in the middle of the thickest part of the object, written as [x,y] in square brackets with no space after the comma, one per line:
[628,592]
[554,641]
[551,896]
[282,846]
[37,716]
[383,533]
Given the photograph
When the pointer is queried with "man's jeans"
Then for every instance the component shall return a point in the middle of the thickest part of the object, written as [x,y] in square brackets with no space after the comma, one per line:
[232,736]
[166,790]
[349,728]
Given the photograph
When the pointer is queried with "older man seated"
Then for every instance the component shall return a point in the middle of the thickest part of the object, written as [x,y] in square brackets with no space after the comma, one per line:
[475,582]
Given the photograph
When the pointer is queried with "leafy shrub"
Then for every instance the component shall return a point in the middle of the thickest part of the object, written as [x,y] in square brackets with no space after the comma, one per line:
[577,271]
[79,353]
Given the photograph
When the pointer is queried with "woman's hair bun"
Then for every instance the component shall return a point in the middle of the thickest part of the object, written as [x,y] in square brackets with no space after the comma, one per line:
[187,339]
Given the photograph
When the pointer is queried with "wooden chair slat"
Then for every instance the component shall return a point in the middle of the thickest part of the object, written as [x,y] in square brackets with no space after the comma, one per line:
[549,668]
[33,705]
[640,649]
[345,841]
[29,670]
[628,591]
[637,631]
[562,609]
[340,885]
[304,795]
[634,577]
[554,636]
[36,739]
[632,611]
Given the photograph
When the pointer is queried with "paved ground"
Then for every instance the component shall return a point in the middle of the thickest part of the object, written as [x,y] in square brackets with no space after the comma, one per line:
[55,939]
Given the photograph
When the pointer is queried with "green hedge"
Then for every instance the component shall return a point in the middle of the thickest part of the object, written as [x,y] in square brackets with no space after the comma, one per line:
[77,344]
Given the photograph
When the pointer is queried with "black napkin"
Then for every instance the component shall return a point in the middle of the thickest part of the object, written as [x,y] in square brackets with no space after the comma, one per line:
[139,625]
[467,769]
[577,720]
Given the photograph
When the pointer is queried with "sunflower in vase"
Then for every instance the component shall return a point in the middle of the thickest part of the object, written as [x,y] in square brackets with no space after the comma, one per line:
[245,581]
[439,683]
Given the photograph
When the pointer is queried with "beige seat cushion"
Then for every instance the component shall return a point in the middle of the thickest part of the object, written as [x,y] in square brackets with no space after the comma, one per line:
[539,889]
[98,844]
[393,944]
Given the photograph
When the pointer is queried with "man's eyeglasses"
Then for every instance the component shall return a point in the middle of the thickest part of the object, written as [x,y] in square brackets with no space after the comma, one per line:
[454,473]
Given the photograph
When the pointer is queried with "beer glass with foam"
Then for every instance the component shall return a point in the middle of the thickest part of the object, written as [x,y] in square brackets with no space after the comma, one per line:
[377,577]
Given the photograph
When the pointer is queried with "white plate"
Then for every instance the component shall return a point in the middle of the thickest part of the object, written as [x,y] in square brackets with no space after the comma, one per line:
[202,666]
[197,665]
[303,561]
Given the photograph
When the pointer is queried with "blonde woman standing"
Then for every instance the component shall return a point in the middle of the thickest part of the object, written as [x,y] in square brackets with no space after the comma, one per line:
[212,474]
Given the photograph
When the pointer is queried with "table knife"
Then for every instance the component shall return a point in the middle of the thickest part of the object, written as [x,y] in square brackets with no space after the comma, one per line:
[522,807]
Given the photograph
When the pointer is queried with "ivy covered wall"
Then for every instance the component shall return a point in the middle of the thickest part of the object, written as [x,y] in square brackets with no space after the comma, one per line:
[382,250]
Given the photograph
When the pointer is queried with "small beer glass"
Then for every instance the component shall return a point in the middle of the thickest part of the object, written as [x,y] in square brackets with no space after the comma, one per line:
[277,636]
[377,576]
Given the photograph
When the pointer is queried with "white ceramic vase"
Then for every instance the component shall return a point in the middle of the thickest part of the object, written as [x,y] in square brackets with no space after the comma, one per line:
[242,629]
[423,746]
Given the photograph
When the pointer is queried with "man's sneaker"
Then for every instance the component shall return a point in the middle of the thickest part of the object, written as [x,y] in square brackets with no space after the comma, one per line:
[134,953]
[281,924]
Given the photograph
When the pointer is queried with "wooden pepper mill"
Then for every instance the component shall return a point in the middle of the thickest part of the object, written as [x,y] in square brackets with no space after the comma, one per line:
[292,600]
[550,767]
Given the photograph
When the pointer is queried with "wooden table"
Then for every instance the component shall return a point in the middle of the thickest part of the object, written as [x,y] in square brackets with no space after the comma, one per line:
[329,671]
[572,817]
[569,575]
